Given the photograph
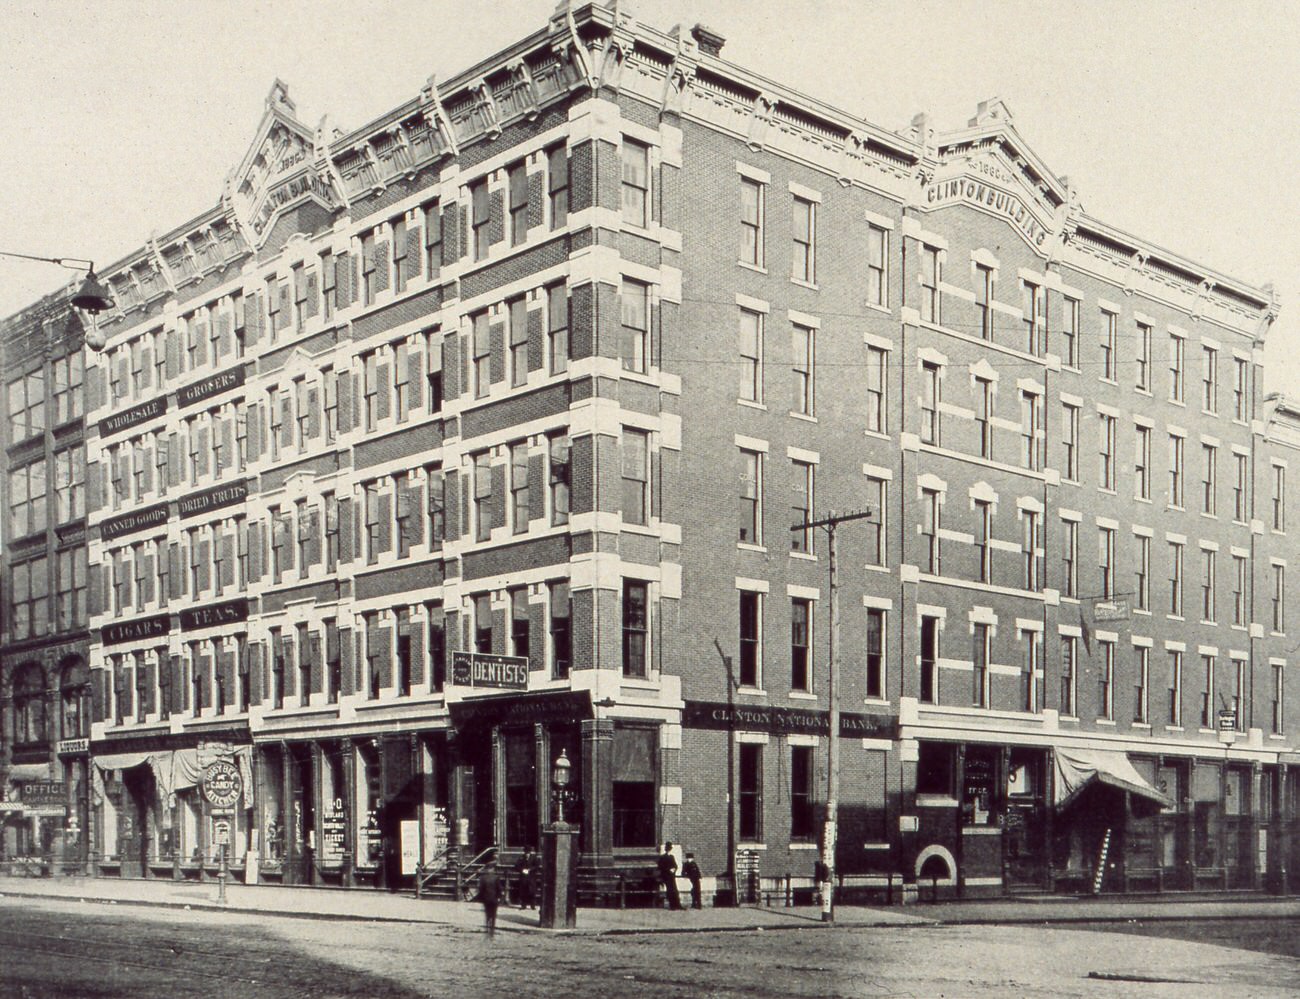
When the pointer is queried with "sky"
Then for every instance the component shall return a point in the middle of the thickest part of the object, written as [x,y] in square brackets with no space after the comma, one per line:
[1176,121]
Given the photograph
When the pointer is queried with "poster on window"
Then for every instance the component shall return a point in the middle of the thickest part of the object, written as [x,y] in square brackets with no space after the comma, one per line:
[333,830]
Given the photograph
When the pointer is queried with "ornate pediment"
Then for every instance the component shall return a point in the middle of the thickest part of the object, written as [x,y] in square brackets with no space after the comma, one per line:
[279,170]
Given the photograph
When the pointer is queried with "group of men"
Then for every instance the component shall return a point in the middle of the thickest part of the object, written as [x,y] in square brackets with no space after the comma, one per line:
[668,877]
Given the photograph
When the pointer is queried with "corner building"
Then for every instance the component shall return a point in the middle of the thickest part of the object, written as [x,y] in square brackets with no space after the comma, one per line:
[476,435]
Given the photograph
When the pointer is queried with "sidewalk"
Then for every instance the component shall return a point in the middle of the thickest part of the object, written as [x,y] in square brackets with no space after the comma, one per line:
[326,903]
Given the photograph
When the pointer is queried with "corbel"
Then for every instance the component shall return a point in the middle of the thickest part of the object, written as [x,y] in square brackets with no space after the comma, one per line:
[1270,315]
[1136,266]
[159,263]
[436,115]
[618,48]
[368,151]
[760,117]
[680,76]
[487,101]
[324,163]
[852,150]
[520,67]
[565,40]
[1198,304]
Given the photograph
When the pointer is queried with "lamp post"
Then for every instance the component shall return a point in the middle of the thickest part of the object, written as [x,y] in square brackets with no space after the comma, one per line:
[559,846]
[92,296]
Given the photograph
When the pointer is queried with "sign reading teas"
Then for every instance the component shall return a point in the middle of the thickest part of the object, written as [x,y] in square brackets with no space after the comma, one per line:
[481,669]
[212,615]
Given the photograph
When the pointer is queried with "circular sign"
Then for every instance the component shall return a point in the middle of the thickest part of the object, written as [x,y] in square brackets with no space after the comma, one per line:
[222,785]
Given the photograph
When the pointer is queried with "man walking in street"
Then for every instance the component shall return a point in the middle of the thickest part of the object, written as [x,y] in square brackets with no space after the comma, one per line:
[668,877]
[489,893]
[691,872]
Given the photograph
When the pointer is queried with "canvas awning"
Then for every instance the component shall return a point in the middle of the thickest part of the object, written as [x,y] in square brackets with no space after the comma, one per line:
[120,761]
[1079,769]
[20,772]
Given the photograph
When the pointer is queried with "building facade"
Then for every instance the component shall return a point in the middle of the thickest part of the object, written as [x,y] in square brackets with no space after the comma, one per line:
[457,442]
[45,709]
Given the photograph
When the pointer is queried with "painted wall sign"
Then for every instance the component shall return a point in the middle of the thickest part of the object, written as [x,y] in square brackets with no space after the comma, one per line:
[43,793]
[134,631]
[207,387]
[1009,205]
[136,520]
[142,413]
[562,705]
[481,669]
[214,499]
[74,747]
[212,615]
[764,718]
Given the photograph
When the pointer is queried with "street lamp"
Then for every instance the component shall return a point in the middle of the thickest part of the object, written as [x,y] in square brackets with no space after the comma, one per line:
[560,775]
[92,296]
[559,862]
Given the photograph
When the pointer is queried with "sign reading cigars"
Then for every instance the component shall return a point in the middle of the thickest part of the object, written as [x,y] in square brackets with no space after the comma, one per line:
[763,718]
[137,520]
[133,631]
[128,418]
[481,669]
[213,499]
[207,387]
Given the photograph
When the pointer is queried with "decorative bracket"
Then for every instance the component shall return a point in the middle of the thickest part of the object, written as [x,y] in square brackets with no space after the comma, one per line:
[160,263]
[760,118]
[436,115]
[1135,268]
[324,164]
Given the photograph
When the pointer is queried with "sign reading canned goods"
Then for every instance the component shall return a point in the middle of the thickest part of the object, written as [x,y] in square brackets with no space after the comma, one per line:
[222,784]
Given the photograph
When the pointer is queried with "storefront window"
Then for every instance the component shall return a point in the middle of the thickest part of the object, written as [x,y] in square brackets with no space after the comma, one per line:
[29,705]
[979,801]
[634,787]
[935,769]
[370,845]
[521,788]
[334,798]
[1205,800]
[271,799]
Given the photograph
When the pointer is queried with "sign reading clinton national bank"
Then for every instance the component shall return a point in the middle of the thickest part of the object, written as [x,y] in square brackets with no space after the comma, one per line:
[126,419]
[783,721]
[213,499]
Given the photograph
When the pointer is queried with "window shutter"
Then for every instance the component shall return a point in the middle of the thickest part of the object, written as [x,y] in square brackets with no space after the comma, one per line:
[177,685]
[346,661]
[382,379]
[227,560]
[536,490]
[285,312]
[204,450]
[253,319]
[175,572]
[146,472]
[94,486]
[385,514]
[382,266]
[313,412]
[497,348]
[413,253]
[313,536]
[255,556]
[254,431]
[346,545]
[164,575]
[205,565]
[343,280]
[227,428]
[415,378]
[311,305]
[415,517]
[146,365]
[286,419]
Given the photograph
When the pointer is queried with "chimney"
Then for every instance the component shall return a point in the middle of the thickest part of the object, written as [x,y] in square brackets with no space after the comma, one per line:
[709,41]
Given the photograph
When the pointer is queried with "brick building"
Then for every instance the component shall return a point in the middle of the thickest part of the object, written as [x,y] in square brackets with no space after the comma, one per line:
[448,445]
[45,709]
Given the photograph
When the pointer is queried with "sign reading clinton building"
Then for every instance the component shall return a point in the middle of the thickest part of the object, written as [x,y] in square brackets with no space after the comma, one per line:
[994,199]
[481,669]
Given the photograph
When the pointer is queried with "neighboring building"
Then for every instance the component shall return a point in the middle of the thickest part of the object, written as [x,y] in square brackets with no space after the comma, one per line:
[44,678]
[475,435]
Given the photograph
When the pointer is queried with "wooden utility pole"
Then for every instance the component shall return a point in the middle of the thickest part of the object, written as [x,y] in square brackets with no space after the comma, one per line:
[827,867]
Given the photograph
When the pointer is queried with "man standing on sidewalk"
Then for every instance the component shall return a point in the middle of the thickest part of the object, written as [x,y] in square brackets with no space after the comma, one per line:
[691,872]
[489,893]
[668,877]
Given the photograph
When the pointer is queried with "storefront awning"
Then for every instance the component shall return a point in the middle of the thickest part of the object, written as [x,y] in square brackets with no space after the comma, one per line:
[120,761]
[1079,769]
[20,772]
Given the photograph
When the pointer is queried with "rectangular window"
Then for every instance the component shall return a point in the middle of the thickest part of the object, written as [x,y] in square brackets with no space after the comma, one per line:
[804,227]
[558,476]
[557,328]
[752,198]
[519,623]
[984,416]
[984,299]
[1240,389]
[636,628]
[877,421]
[69,484]
[1070,558]
[1240,504]
[983,525]
[1175,471]
[1070,332]
[805,383]
[1031,545]
[750,640]
[1109,335]
[751,356]
[436,483]
[1142,573]
[877,266]
[483,623]
[635,461]
[1209,467]
[369,265]
[1239,693]
[1279,599]
[1106,561]
[980,665]
[1239,590]
[801,509]
[1033,671]
[1209,380]
[1175,579]
[518,356]
[1279,498]
[877,493]
[635,160]
[482,357]
[634,299]
[800,644]
[517,181]
[1144,357]
[1032,440]
[483,496]
[749,781]
[374,524]
[751,497]
[27,513]
[1175,714]
[1106,430]
[930,530]
[1035,319]
[929,660]
[875,653]
[519,503]
[1276,704]
[802,812]
[1141,682]
[480,218]
[1207,691]
[931,275]
[1106,682]
[67,398]
[1142,462]
[1208,564]
[331,534]
[561,643]
[557,184]
[1070,430]
[1069,671]
[929,403]
[1176,367]
[305,650]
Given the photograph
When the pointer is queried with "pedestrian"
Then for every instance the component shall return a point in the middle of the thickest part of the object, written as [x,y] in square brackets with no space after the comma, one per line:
[668,877]
[489,893]
[524,873]
[691,871]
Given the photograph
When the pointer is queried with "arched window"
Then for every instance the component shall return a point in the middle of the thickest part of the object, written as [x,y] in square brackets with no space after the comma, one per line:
[74,686]
[29,705]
